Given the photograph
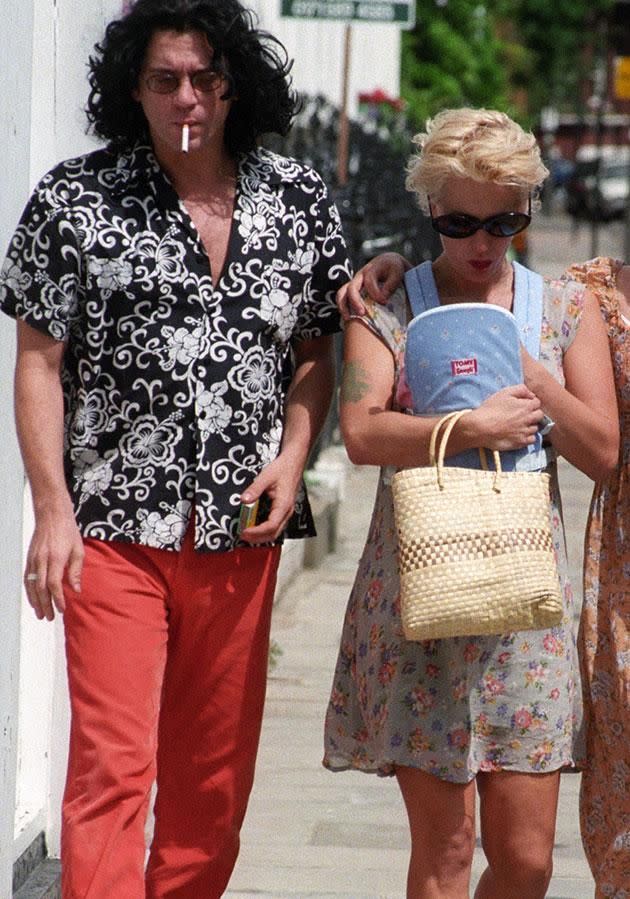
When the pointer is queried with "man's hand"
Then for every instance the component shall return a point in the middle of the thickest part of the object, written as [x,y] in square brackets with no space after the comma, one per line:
[279,481]
[378,279]
[308,399]
[56,548]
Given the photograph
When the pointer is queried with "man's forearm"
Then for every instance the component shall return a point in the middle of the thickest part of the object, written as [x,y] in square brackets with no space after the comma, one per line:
[308,399]
[39,423]
[55,549]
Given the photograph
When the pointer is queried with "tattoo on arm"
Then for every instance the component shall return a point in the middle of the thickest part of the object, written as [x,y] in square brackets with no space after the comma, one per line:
[355,383]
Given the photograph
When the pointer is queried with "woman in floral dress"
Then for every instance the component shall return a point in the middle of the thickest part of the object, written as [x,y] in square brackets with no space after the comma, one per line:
[604,639]
[502,714]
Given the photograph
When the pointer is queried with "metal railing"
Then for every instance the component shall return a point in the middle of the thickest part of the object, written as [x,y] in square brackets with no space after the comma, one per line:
[377,212]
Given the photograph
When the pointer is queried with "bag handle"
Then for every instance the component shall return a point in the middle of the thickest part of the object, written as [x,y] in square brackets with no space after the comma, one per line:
[449,421]
[436,431]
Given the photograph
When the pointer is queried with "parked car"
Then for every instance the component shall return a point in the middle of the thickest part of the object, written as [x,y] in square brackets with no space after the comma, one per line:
[612,197]
[599,196]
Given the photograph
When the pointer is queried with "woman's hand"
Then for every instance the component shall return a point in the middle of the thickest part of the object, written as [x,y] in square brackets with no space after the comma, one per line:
[507,420]
[378,279]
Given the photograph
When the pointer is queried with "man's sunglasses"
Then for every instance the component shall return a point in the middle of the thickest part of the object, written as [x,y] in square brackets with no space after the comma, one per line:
[204,80]
[457,225]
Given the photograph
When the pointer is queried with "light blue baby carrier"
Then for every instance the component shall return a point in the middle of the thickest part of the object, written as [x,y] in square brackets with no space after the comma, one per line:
[459,354]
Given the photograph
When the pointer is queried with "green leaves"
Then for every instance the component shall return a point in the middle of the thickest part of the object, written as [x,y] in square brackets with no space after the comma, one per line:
[452,58]
[515,55]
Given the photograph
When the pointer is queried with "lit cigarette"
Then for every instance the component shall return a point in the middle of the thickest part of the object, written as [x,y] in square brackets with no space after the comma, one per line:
[185,134]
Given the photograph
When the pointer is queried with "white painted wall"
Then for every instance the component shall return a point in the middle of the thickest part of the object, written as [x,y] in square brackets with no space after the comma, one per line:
[51,39]
[317,50]
[15,86]
[65,33]
[42,122]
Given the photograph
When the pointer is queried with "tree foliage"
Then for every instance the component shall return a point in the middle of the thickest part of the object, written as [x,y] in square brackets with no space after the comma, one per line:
[452,58]
[562,38]
[515,55]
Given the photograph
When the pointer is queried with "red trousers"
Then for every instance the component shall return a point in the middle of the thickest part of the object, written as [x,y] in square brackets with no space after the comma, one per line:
[167,661]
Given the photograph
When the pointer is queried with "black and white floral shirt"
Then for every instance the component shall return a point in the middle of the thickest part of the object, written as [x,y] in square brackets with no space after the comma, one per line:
[174,389]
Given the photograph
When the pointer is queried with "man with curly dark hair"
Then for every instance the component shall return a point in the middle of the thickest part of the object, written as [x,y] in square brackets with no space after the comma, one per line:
[253,65]
[174,297]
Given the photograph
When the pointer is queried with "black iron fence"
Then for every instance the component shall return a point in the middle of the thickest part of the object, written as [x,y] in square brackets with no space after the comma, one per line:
[377,211]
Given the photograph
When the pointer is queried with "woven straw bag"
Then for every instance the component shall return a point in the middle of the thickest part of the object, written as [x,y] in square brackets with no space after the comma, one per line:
[476,552]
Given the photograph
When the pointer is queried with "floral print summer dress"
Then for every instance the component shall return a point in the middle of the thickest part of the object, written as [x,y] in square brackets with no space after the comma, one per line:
[604,639]
[456,706]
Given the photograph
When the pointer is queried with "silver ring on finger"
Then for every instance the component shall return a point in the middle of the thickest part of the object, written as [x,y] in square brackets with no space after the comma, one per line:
[31,577]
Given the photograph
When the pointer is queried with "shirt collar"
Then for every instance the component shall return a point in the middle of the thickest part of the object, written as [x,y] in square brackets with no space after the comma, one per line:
[266,167]
[138,167]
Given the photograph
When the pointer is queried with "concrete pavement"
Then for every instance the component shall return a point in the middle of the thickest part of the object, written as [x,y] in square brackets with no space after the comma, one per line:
[554,243]
[312,834]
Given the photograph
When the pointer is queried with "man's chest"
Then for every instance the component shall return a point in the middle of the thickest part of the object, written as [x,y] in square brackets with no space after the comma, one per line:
[214,235]
[152,272]
[212,221]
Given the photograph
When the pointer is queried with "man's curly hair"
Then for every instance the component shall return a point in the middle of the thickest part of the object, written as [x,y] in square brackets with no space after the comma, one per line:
[254,63]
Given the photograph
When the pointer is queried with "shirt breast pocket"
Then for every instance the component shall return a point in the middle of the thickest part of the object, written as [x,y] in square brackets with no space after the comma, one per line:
[280,307]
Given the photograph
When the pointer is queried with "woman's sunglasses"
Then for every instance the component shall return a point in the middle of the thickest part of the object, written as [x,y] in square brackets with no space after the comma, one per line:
[457,225]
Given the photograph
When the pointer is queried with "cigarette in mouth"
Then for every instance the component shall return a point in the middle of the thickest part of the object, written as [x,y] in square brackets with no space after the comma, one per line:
[185,133]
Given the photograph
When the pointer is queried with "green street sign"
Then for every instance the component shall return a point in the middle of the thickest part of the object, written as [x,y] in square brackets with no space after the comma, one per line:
[396,12]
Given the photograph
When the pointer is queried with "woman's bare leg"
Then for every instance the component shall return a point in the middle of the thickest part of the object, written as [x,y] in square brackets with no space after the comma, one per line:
[442,824]
[518,826]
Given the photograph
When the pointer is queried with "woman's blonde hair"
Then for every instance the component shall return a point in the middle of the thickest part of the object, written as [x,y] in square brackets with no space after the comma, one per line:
[481,144]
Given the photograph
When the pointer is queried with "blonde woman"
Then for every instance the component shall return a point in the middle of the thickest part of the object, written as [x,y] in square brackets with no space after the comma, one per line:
[498,716]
